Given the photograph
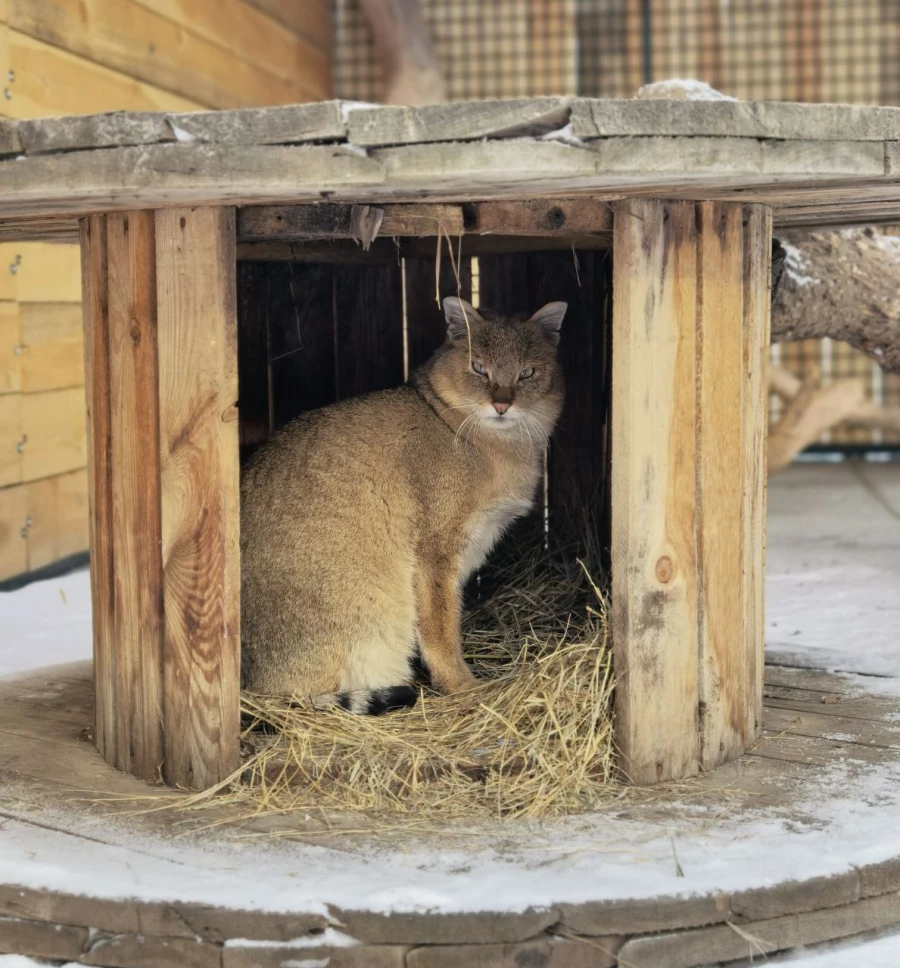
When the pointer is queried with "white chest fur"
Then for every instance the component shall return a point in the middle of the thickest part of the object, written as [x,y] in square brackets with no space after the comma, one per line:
[487,528]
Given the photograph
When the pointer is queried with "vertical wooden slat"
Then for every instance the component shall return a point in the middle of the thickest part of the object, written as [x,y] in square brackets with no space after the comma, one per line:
[576,451]
[300,309]
[654,555]
[368,302]
[720,327]
[199,474]
[254,370]
[134,473]
[690,332]
[757,320]
[99,445]
[425,323]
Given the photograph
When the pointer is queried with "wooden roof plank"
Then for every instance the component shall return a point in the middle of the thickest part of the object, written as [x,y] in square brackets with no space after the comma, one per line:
[593,118]
[457,121]
[320,121]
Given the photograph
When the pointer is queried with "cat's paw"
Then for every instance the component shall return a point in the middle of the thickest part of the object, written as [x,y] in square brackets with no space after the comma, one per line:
[459,682]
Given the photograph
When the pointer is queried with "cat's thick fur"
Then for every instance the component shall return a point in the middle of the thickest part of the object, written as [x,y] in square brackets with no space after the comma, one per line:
[361,522]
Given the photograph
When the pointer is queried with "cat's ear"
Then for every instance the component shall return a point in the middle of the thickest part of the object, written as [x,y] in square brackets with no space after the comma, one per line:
[460,315]
[550,318]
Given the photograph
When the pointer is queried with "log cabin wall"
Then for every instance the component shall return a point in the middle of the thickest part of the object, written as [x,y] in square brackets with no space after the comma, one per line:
[81,57]
[311,333]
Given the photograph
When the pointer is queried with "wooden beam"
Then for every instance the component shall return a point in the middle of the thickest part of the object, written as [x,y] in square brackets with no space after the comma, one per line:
[199,483]
[690,318]
[304,222]
[160,352]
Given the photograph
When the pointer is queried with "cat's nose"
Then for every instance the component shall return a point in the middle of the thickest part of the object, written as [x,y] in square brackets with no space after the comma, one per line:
[501,408]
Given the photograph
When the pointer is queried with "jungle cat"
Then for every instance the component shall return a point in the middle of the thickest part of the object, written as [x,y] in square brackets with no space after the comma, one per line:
[361,522]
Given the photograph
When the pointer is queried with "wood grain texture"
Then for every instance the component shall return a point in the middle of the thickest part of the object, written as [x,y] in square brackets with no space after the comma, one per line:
[689,423]
[99,449]
[51,355]
[10,439]
[328,221]
[756,326]
[45,272]
[54,433]
[654,553]
[426,326]
[51,81]
[720,328]
[10,338]
[254,368]
[199,475]
[128,38]
[369,347]
[135,474]
[13,542]
[57,512]
[311,19]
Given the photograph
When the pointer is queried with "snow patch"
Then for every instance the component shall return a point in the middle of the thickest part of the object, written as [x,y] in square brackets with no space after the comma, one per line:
[682,89]
[795,264]
[329,938]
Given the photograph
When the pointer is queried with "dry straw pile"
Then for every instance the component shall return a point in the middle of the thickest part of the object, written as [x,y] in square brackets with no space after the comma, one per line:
[534,740]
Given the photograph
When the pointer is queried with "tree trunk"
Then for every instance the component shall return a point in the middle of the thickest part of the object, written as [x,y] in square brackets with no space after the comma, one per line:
[843,285]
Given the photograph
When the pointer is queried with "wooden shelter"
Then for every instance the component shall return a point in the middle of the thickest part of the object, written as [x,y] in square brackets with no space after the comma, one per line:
[684,194]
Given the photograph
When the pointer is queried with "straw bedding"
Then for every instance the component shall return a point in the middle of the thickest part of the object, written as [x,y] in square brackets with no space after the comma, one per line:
[533,740]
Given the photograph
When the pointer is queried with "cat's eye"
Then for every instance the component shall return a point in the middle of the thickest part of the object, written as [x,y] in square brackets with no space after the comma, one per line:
[479,369]
[527,373]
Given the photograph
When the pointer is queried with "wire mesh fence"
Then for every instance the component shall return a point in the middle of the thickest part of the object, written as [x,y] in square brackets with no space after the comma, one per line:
[793,50]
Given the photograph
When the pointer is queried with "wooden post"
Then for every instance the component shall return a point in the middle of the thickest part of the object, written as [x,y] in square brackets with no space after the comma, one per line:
[690,327]
[161,363]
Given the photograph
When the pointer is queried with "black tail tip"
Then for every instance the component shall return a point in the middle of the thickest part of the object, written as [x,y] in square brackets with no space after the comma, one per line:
[391,699]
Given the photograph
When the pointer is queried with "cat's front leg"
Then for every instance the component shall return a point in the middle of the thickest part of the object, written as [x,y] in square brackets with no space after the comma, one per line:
[439,608]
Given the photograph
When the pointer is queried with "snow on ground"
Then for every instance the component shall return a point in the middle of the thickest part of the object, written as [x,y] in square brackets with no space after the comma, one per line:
[46,623]
[833,571]
[834,558]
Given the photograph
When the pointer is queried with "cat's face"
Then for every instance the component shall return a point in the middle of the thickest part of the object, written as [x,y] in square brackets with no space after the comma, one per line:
[501,373]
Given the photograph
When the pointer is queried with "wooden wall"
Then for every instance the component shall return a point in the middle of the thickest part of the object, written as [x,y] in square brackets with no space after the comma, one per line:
[81,57]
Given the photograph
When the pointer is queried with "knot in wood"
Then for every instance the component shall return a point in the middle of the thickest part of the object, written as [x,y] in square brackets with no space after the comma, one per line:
[664,569]
[135,332]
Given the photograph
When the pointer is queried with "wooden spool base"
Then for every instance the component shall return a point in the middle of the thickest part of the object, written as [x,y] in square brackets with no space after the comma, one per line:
[44,759]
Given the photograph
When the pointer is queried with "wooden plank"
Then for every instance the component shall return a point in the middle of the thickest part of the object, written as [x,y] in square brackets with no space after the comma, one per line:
[540,217]
[52,354]
[300,314]
[158,174]
[45,272]
[455,121]
[13,543]
[11,442]
[99,467]
[847,729]
[733,119]
[721,466]
[134,457]
[10,340]
[578,473]
[254,370]
[126,37]
[705,946]
[250,35]
[51,82]
[757,304]
[328,221]
[654,555]
[54,432]
[426,327]
[311,19]
[369,349]
[57,509]
[199,474]
[288,124]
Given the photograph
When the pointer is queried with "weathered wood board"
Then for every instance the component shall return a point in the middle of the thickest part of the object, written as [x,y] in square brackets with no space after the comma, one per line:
[689,329]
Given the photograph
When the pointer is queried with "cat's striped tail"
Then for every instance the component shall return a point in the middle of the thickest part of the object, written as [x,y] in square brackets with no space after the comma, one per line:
[369,702]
